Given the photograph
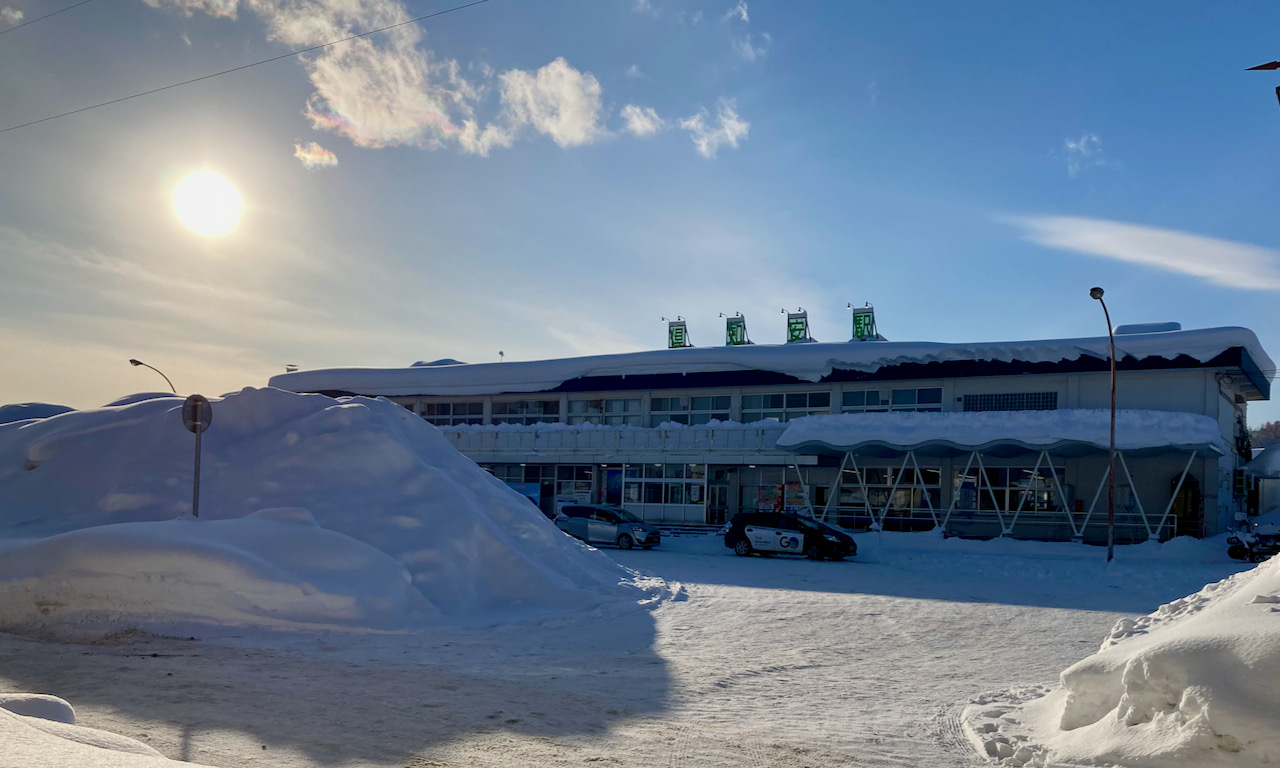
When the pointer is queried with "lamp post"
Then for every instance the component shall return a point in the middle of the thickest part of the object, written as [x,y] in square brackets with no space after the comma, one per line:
[136,363]
[1096,292]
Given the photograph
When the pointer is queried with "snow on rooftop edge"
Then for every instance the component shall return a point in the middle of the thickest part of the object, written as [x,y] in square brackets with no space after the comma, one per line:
[1135,429]
[808,362]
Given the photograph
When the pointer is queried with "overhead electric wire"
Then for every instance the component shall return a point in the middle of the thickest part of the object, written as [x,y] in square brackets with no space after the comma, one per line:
[242,66]
[47,15]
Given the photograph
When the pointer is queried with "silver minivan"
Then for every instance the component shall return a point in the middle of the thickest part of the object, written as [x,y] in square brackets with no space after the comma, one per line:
[607,524]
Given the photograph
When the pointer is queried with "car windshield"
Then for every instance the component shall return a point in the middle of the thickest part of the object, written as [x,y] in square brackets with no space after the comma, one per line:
[818,524]
[624,515]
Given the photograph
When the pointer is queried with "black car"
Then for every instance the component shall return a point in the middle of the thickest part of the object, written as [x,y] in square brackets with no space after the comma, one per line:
[771,533]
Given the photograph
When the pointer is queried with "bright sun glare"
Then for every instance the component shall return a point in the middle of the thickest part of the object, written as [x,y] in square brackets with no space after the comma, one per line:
[207,203]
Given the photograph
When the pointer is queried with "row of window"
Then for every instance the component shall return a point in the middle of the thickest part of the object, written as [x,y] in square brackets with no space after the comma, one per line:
[698,409]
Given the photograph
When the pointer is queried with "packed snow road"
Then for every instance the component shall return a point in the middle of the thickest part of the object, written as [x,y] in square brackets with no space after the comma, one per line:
[750,661]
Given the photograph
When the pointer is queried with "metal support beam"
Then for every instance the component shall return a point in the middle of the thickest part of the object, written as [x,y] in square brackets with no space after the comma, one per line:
[1155,536]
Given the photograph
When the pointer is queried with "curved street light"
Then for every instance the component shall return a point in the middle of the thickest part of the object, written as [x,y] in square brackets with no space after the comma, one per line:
[1096,293]
[136,363]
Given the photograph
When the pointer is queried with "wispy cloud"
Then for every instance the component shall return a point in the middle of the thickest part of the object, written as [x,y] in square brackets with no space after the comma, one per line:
[388,91]
[728,128]
[633,71]
[314,156]
[752,47]
[1084,152]
[873,93]
[10,16]
[1221,262]
[739,12]
[642,121]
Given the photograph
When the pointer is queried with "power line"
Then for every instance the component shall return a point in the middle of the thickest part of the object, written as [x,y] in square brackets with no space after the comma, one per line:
[243,66]
[47,15]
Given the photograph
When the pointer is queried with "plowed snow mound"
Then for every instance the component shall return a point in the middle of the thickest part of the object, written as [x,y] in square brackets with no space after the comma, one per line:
[1197,683]
[369,469]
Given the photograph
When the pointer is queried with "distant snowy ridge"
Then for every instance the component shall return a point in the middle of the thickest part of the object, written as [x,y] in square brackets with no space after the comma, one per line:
[365,469]
[807,362]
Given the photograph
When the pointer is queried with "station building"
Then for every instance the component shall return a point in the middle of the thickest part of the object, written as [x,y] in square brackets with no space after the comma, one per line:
[982,439]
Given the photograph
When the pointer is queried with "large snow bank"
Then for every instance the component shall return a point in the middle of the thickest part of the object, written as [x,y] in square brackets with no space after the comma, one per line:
[1058,430]
[24,411]
[475,549]
[1197,683]
[273,568]
[807,362]
[40,731]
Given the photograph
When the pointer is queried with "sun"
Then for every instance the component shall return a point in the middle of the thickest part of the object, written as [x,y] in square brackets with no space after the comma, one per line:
[207,203]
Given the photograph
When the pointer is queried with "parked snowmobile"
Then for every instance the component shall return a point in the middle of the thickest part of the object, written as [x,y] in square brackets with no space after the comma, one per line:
[1254,545]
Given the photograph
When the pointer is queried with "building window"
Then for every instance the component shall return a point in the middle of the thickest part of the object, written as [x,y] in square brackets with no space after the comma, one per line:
[879,400]
[526,411]
[902,496]
[664,484]
[1012,401]
[617,411]
[1007,488]
[688,410]
[784,406]
[446,414]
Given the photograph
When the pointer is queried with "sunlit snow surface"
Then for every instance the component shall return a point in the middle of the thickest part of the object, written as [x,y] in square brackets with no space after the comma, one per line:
[397,527]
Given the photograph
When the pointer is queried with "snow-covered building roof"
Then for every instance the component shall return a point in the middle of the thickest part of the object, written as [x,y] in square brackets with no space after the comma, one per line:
[1066,432]
[812,362]
[1266,463]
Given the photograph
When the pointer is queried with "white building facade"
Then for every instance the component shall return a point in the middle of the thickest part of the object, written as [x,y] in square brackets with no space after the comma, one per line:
[695,435]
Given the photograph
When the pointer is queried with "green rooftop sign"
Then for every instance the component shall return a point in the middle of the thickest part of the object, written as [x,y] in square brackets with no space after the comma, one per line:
[735,331]
[864,323]
[677,335]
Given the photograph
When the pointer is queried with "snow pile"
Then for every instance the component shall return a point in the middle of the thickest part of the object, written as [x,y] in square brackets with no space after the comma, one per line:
[366,469]
[24,411]
[807,362]
[1038,430]
[1197,683]
[273,568]
[40,731]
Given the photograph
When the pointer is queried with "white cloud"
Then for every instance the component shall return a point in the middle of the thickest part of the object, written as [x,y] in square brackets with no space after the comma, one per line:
[314,156]
[1221,262]
[752,47]
[557,100]
[642,121]
[1084,152]
[386,91]
[873,92]
[633,71]
[739,11]
[728,128]
[646,7]
[10,16]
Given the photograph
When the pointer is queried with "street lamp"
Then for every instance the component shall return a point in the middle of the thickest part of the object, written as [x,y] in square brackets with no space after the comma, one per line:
[136,363]
[1096,292]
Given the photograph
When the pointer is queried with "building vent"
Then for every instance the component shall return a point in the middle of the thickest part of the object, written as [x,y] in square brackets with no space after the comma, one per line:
[1012,401]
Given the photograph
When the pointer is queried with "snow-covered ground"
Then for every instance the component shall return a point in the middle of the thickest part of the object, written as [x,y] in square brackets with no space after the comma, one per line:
[749,661]
[357,593]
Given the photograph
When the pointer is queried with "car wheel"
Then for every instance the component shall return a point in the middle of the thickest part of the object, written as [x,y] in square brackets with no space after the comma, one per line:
[814,552]
[625,541]
[742,548]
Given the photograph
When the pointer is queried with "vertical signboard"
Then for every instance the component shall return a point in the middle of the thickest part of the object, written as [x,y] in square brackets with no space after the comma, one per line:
[798,327]
[677,335]
[864,323]
[735,331]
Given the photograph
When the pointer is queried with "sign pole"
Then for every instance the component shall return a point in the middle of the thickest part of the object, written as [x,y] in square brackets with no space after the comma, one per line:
[197,414]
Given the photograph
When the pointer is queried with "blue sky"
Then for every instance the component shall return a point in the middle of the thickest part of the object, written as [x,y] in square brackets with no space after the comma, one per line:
[551,178]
